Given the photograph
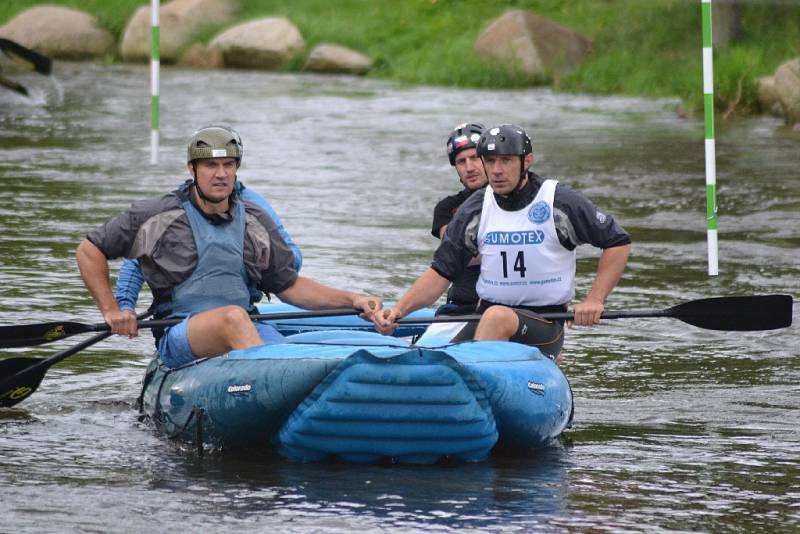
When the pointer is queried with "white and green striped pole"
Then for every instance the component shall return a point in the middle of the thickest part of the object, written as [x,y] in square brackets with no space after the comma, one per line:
[155,60]
[711,152]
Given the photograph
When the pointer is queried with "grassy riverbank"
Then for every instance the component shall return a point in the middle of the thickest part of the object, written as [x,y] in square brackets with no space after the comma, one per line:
[649,48]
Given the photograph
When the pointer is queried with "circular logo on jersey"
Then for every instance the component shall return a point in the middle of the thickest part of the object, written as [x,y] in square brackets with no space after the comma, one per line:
[539,212]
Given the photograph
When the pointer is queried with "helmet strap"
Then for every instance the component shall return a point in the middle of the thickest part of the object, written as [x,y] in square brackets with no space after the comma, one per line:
[522,174]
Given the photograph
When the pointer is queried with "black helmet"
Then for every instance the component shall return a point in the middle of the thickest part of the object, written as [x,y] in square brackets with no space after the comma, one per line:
[215,142]
[463,136]
[504,140]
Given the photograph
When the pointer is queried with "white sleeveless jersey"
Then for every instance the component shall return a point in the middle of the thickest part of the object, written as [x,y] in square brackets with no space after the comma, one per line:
[522,261]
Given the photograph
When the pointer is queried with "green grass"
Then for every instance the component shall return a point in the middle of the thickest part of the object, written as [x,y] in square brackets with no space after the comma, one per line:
[640,47]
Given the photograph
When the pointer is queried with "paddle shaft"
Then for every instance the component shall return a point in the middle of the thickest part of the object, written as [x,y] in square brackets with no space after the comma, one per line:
[38,333]
[24,382]
[553,316]
[163,323]
[742,313]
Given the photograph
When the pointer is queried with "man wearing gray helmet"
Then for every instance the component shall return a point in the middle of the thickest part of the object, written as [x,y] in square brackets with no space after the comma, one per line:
[130,279]
[526,229]
[205,252]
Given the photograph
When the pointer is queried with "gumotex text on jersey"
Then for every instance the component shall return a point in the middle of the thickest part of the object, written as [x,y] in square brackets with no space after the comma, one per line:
[531,237]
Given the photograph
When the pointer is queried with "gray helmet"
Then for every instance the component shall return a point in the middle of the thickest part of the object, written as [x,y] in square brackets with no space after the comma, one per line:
[215,142]
[462,137]
[504,140]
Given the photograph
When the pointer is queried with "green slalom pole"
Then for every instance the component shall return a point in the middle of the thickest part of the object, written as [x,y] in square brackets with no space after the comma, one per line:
[711,153]
[155,62]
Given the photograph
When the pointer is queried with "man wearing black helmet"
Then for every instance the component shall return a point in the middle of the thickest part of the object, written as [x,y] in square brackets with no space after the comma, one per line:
[461,146]
[526,229]
[207,254]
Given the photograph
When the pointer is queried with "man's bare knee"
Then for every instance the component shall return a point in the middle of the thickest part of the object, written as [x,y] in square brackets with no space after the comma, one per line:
[497,323]
[234,316]
[498,314]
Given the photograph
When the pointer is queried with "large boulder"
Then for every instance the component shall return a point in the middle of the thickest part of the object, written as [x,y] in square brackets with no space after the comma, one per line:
[199,56]
[532,44]
[260,44]
[179,21]
[768,96]
[59,32]
[335,58]
[787,86]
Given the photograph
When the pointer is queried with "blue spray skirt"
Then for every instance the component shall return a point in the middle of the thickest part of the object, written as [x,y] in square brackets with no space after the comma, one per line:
[361,397]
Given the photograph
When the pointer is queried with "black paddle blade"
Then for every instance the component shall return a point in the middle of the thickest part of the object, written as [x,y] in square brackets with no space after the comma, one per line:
[18,390]
[757,312]
[28,335]
[14,86]
[39,62]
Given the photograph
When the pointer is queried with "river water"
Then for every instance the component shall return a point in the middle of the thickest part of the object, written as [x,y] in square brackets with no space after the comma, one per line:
[676,428]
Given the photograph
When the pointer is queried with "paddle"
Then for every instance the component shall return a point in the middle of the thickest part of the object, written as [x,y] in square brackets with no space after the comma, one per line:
[14,86]
[40,63]
[759,312]
[38,333]
[21,376]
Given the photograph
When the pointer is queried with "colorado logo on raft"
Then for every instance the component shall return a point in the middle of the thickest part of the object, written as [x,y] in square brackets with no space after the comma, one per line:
[539,212]
[238,389]
[536,387]
[531,237]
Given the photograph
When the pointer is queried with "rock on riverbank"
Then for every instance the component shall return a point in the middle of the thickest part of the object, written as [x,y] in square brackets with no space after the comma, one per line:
[180,20]
[779,94]
[59,32]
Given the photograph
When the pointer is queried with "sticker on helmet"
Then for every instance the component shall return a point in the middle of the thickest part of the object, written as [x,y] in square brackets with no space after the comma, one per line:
[219,153]
[474,137]
[460,141]
[490,146]
[494,131]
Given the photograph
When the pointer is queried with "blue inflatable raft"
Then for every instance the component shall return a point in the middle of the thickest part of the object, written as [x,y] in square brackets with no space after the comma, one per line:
[364,398]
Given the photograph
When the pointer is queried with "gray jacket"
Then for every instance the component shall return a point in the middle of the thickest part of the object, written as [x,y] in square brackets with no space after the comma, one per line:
[157,232]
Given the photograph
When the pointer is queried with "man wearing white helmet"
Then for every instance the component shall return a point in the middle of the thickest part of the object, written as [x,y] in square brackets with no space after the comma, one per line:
[526,229]
[205,253]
